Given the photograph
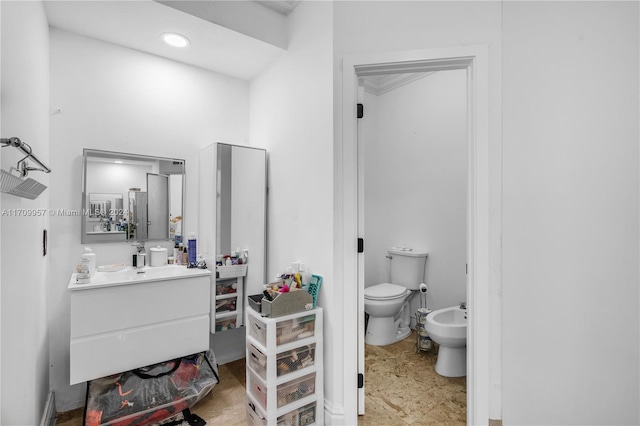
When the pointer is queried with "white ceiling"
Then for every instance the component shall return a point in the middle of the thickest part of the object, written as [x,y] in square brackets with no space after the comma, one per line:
[138,25]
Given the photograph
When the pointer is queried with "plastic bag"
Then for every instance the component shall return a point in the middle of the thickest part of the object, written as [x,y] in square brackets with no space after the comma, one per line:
[151,394]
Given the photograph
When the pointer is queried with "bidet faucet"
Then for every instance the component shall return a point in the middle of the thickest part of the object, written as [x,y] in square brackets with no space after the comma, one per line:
[463,305]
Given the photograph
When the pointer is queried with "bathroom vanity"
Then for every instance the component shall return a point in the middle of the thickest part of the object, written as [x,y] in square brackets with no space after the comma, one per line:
[137,317]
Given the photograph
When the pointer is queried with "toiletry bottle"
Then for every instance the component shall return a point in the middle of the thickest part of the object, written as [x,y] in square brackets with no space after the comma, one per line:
[193,253]
[175,252]
[297,279]
[185,256]
[178,258]
[89,260]
[134,259]
[305,275]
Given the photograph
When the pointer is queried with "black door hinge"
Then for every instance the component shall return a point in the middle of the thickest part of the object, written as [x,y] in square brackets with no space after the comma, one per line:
[360,245]
[360,111]
[360,380]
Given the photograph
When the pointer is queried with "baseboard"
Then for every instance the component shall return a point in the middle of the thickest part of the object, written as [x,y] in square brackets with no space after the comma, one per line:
[333,415]
[49,415]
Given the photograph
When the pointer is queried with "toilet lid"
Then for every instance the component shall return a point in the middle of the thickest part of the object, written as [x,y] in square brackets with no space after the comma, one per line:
[384,291]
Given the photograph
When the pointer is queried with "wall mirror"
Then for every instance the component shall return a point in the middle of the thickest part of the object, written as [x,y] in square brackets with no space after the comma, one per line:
[131,197]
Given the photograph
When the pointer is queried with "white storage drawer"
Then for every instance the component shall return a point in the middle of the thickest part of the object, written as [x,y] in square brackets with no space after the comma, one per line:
[224,287]
[286,331]
[227,323]
[107,309]
[287,362]
[110,353]
[303,416]
[296,389]
[254,415]
[286,393]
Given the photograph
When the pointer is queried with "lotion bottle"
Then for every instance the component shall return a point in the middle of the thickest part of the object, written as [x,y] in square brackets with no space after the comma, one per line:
[89,261]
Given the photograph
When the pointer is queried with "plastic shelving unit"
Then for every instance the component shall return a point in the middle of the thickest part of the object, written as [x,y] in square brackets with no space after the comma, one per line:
[227,300]
[285,369]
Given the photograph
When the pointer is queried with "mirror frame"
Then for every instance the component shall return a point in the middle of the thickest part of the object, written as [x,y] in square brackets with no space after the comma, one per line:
[88,152]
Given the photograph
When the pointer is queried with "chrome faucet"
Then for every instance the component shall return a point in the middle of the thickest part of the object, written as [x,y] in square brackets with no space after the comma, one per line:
[140,255]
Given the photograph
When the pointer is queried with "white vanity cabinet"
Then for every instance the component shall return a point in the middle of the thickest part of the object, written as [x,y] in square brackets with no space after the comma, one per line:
[131,319]
[285,369]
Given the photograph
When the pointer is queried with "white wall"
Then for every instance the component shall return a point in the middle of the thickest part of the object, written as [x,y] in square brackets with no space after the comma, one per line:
[570,217]
[415,166]
[113,98]
[25,288]
[570,85]
[291,116]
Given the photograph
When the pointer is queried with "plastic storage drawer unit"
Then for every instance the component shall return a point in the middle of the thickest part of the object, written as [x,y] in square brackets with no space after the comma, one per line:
[285,369]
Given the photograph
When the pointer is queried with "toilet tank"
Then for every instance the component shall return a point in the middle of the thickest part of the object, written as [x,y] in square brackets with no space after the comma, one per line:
[407,267]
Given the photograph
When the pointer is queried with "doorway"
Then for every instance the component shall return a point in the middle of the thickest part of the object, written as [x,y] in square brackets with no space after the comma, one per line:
[472,59]
[412,148]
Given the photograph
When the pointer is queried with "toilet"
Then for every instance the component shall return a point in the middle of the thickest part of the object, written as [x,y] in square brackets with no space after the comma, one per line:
[448,328]
[388,303]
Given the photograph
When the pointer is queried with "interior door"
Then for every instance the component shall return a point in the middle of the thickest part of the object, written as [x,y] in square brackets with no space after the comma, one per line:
[157,207]
[361,325]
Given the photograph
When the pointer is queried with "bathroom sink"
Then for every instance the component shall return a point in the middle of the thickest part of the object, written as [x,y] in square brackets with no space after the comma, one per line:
[130,275]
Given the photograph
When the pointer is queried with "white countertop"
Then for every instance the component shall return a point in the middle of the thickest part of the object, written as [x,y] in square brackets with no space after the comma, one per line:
[131,275]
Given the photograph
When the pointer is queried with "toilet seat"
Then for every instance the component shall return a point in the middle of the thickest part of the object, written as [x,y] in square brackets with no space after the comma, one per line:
[384,291]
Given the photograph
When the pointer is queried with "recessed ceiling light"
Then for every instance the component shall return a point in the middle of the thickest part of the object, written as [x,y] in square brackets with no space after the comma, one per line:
[118,161]
[176,40]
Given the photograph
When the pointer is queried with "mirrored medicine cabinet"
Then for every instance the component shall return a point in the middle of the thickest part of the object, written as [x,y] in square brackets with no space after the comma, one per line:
[131,197]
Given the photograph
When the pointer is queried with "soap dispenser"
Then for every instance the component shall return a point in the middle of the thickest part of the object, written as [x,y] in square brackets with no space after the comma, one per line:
[89,261]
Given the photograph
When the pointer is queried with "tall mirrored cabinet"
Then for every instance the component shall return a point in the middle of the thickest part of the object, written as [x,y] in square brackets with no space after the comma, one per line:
[232,227]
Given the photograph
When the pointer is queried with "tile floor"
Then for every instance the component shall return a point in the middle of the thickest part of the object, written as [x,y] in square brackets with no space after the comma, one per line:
[401,388]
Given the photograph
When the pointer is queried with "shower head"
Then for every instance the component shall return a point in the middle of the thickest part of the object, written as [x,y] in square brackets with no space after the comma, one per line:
[25,188]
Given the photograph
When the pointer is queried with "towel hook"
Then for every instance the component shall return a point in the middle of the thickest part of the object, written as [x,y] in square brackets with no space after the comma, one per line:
[23,165]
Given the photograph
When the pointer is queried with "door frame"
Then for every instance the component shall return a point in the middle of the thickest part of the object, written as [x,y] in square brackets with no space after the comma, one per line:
[475,60]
